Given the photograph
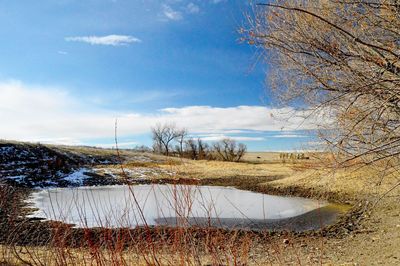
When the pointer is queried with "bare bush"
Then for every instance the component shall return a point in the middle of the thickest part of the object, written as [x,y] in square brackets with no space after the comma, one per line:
[341,57]
[191,149]
[141,148]
[229,150]
[204,151]
[197,150]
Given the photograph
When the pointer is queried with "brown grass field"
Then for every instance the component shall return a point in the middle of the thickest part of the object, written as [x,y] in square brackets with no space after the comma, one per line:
[371,237]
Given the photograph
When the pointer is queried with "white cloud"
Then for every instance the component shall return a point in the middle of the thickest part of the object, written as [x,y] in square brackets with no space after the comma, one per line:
[192,8]
[171,14]
[259,118]
[216,137]
[49,114]
[113,40]
[289,136]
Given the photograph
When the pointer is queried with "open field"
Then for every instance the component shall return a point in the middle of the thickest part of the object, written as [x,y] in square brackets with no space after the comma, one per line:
[369,234]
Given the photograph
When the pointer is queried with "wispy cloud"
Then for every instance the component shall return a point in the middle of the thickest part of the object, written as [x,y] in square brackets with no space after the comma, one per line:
[113,40]
[192,8]
[216,137]
[170,13]
[256,118]
[289,136]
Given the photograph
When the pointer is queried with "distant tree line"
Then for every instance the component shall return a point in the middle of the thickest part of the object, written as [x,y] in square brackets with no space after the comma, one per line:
[142,148]
[172,141]
[293,156]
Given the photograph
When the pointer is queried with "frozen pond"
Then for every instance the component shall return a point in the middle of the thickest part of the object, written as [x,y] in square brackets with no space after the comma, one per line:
[182,205]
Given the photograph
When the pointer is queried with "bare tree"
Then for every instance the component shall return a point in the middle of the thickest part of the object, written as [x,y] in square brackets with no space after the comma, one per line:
[241,151]
[191,149]
[229,150]
[163,135]
[203,150]
[180,139]
[166,135]
[342,58]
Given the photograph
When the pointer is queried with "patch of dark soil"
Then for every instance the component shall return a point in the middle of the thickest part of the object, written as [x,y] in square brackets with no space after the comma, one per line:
[94,179]
[36,165]
[312,220]
[347,223]
[241,182]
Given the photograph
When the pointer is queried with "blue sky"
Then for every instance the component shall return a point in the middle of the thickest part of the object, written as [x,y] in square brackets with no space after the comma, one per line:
[70,67]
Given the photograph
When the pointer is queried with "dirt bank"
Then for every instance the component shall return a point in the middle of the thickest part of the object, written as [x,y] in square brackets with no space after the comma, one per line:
[373,237]
[364,236]
[369,234]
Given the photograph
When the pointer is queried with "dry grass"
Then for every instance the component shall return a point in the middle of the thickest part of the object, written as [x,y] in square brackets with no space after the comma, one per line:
[230,249]
[172,167]
[261,157]
[357,182]
[179,247]
[244,252]
[218,169]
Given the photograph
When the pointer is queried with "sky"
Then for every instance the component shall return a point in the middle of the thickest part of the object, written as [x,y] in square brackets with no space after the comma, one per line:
[70,68]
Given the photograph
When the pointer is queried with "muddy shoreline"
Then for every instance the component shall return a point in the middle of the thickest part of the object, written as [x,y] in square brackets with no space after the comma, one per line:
[347,223]
[31,231]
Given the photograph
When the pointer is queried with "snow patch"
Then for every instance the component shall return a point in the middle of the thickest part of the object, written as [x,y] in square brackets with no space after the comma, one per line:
[137,173]
[18,178]
[77,177]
